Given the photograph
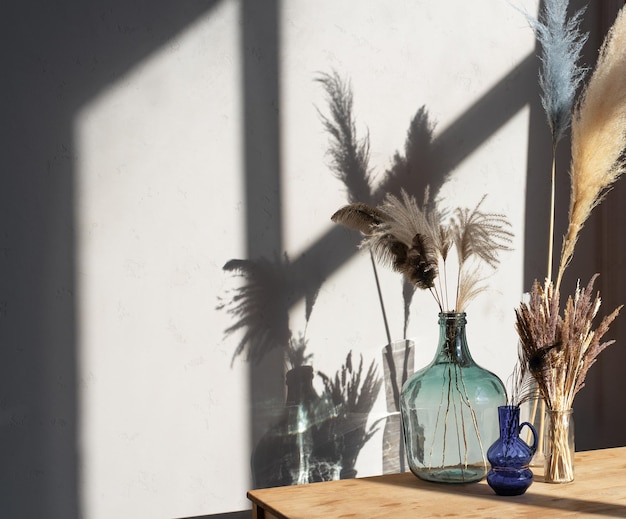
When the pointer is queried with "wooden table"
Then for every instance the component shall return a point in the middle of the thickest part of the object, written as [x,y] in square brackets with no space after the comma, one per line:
[599,490]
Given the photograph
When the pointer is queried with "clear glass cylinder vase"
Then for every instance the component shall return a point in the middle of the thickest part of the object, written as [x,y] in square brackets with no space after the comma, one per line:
[559,446]
[534,412]
[450,410]
[398,362]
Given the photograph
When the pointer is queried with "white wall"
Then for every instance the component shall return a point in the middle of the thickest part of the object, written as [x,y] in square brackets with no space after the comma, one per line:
[163,416]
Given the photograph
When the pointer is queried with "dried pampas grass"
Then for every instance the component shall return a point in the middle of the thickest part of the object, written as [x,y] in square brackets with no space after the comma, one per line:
[416,241]
[562,43]
[559,78]
[558,350]
[598,137]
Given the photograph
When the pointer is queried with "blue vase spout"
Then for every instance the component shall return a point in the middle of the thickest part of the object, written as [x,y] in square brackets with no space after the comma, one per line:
[510,456]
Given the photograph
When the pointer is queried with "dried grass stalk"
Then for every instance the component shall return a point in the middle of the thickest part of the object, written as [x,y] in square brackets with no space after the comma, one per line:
[560,350]
[559,456]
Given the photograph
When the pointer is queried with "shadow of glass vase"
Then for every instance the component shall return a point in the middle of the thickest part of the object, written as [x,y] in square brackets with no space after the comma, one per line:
[301,447]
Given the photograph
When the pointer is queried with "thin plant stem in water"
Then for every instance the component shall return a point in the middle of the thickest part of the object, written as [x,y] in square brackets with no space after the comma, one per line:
[451,391]
[560,461]
[456,383]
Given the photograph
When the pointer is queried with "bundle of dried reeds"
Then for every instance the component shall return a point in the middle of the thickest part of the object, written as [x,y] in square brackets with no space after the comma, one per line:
[558,350]
[417,241]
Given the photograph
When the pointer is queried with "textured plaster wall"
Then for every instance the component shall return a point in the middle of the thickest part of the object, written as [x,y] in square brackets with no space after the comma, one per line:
[147,145]
[160,209]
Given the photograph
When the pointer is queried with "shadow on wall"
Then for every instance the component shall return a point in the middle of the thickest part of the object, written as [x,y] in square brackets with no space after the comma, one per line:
[64,53]
[273,283]
[424,162]
[61,55]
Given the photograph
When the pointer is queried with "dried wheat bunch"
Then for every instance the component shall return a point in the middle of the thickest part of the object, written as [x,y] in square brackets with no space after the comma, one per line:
[560,350]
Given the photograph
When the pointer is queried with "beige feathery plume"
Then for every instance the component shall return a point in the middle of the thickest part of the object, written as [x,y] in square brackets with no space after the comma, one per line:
[415,241]
[358,217]
[598,136]
[405,240]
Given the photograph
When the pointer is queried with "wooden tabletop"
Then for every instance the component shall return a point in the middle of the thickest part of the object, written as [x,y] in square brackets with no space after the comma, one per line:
[599,490]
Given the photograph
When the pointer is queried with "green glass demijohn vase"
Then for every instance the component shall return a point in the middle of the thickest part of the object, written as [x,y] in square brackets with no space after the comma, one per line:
[450,410]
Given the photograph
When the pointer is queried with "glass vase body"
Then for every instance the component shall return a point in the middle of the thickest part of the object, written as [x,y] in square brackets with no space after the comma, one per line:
[559,446]
[450,410]
[510,456]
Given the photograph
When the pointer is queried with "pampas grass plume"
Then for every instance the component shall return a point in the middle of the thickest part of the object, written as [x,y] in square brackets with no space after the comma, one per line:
[598,136]
[560,77]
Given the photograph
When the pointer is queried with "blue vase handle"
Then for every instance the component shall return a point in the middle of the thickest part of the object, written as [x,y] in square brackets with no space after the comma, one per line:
[533,447]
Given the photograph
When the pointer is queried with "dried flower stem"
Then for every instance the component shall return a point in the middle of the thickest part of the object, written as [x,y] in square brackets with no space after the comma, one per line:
[560,456]
[454,398]
[552,211]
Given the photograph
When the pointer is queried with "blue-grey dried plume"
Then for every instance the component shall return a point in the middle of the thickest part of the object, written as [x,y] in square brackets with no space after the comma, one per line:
[562,42]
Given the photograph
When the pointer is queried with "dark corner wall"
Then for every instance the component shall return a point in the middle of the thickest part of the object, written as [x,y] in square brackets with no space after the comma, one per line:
[600,423]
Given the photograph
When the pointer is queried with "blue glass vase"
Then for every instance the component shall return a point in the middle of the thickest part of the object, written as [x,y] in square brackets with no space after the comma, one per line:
[450,410]
[510,456]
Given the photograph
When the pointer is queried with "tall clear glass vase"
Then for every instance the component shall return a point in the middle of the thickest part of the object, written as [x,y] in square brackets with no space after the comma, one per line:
[398,362]
[450,410]
[559,447]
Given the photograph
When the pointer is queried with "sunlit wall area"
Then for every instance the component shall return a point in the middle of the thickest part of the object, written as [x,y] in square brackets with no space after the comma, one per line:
[163,429]
[469,66]
[164,410]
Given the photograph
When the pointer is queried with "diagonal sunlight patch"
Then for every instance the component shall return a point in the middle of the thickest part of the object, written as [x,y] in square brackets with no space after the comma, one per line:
[158,166]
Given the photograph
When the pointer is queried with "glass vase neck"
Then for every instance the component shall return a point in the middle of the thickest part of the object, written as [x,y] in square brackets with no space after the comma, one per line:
[452,340]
